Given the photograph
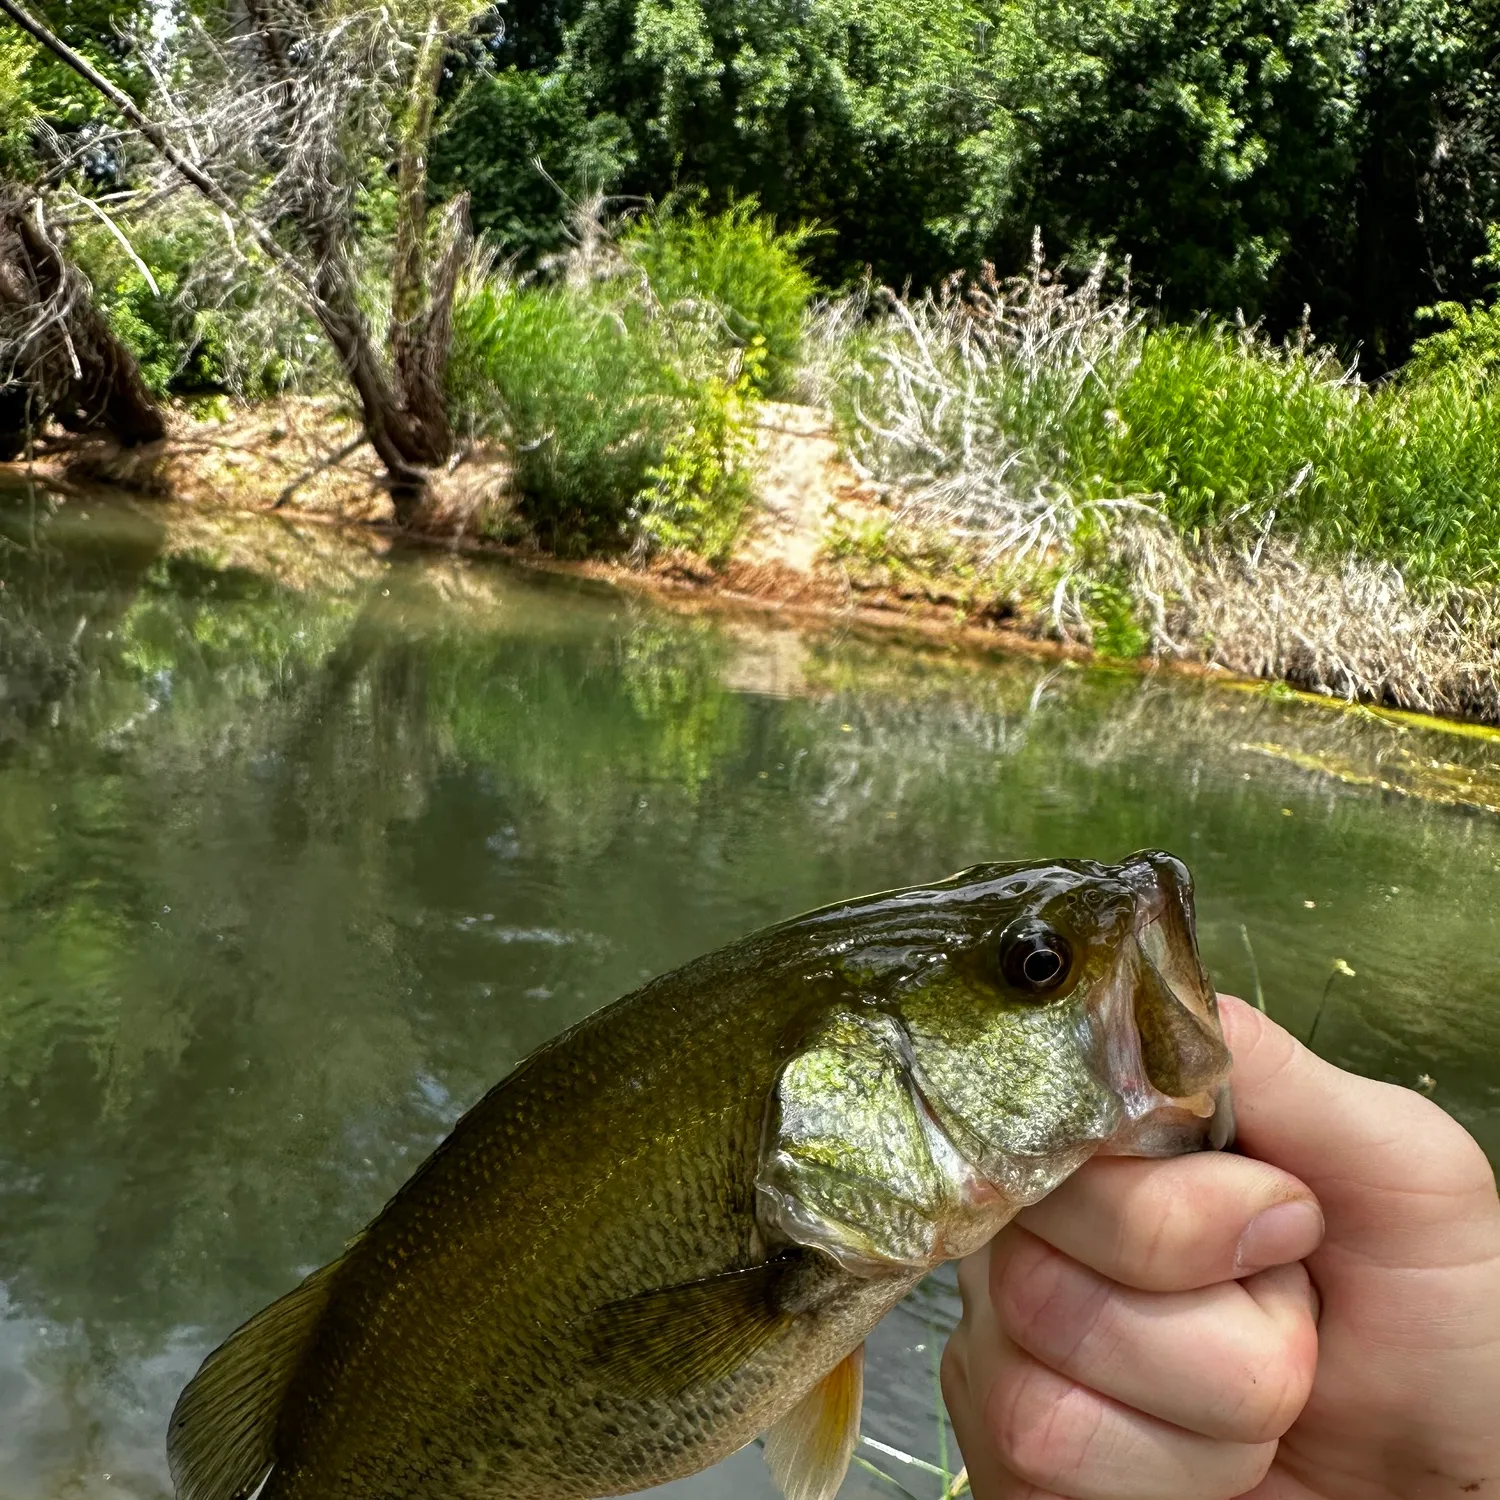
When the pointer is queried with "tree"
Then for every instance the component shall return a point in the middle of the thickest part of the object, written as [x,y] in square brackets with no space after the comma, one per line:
[1248,155]
[282,114]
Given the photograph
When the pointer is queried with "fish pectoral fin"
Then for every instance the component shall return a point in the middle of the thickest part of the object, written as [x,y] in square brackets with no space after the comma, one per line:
[809,1449]
[659,1343]
[221,1439]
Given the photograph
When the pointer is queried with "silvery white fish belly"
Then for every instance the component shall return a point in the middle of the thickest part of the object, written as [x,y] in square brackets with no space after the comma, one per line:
[672,1228]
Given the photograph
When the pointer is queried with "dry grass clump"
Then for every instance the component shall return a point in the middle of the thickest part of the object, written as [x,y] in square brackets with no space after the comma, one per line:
[1356,631]
[973,407]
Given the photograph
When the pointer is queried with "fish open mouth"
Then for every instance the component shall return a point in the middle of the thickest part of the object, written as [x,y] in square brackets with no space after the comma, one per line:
[1167,1056]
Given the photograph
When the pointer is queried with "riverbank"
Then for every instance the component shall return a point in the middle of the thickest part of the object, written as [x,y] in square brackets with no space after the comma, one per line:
[822,540]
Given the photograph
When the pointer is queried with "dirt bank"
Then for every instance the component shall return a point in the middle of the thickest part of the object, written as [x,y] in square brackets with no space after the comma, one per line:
[305,458]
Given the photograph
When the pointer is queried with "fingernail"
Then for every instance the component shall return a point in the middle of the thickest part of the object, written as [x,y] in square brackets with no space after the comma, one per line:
[1279,1235]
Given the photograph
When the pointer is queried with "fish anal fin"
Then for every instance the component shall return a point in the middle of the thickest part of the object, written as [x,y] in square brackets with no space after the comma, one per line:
[809,1449]
[658,1344]
[221,1439]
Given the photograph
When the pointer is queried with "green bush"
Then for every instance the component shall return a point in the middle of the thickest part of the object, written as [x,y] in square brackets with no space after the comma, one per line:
[247,340]
[735,261]
[1225,427]
[1237,435]
[620,428]
[1471,341]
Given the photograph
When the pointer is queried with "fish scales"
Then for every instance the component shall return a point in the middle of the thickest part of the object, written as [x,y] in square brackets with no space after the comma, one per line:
[664,1230]
[679,1166]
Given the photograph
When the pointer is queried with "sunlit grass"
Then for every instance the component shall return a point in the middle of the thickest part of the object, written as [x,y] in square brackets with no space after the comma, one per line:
[1195,491]
[1237,435]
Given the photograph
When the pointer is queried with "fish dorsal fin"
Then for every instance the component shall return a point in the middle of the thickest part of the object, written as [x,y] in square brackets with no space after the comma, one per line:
[659,1343]
[220,1441]
[809,1449]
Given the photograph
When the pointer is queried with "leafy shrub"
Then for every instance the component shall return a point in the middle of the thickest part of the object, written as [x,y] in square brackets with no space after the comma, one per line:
[621,427]
[198,329]
[1227,427]
[736,262]
[699,489]
[1471,340]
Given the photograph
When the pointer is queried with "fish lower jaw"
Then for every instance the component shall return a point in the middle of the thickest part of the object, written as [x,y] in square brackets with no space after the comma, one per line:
[1167,1127]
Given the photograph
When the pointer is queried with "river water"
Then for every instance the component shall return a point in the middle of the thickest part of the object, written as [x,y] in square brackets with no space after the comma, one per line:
[305,841]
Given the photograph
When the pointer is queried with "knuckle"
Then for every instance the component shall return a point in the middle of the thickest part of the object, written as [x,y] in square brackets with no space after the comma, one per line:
[1274,1386]
[1460,1169]
[1041,1425]
[1047,1304]
[1255,1463]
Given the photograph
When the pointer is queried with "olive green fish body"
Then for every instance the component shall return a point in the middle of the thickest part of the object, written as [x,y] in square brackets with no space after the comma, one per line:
[455,1359]
[670,1229]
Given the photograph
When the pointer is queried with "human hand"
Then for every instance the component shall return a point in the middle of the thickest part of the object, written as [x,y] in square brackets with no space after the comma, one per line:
[1135,1336]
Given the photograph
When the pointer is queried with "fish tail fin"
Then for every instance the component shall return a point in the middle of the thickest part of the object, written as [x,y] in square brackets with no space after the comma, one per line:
[809,1449]
[221,1439]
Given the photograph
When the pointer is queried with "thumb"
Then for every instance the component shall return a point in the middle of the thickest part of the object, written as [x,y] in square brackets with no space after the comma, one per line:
[1388,1166]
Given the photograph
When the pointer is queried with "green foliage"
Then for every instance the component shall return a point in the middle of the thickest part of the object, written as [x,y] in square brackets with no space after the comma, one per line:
[1256,156]
[37,89]
[697,492]
[246,340]
[619,425]
[1206,138]
[1236,434]
[504,132]
[1227,427]
[1031,420]
[1110,605]
[17,109]
[737,262]
[1472,338]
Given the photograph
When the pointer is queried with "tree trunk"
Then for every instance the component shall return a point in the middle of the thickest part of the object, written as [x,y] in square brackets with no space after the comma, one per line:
[58,357]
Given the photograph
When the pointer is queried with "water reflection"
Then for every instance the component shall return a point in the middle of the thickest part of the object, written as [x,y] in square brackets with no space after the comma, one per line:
[307,842]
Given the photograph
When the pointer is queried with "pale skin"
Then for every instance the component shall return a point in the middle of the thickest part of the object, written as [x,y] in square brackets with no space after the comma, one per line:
[1145,1334]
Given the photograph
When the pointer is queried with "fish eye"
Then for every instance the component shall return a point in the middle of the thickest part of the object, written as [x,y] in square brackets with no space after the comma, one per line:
[1034,957]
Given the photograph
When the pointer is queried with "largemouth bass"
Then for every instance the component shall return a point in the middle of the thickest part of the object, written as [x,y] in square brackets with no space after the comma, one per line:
[670,1229]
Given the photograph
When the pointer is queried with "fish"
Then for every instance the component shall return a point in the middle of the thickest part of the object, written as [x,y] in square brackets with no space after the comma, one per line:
[669,1230]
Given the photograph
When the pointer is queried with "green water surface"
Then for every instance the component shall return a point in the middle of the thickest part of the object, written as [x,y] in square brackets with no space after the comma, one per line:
[304,842]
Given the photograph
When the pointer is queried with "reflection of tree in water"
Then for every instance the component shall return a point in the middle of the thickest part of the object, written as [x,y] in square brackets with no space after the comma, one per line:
[57,604]
[207,999]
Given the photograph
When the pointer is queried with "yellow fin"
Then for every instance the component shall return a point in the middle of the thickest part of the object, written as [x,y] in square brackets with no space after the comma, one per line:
[220,1441]
[809,1449]
[659,1343]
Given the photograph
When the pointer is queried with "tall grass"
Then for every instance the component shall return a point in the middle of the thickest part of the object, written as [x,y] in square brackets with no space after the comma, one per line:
[575,384]
[1240,437]
[624,387]
[1192,490]
[737,263]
